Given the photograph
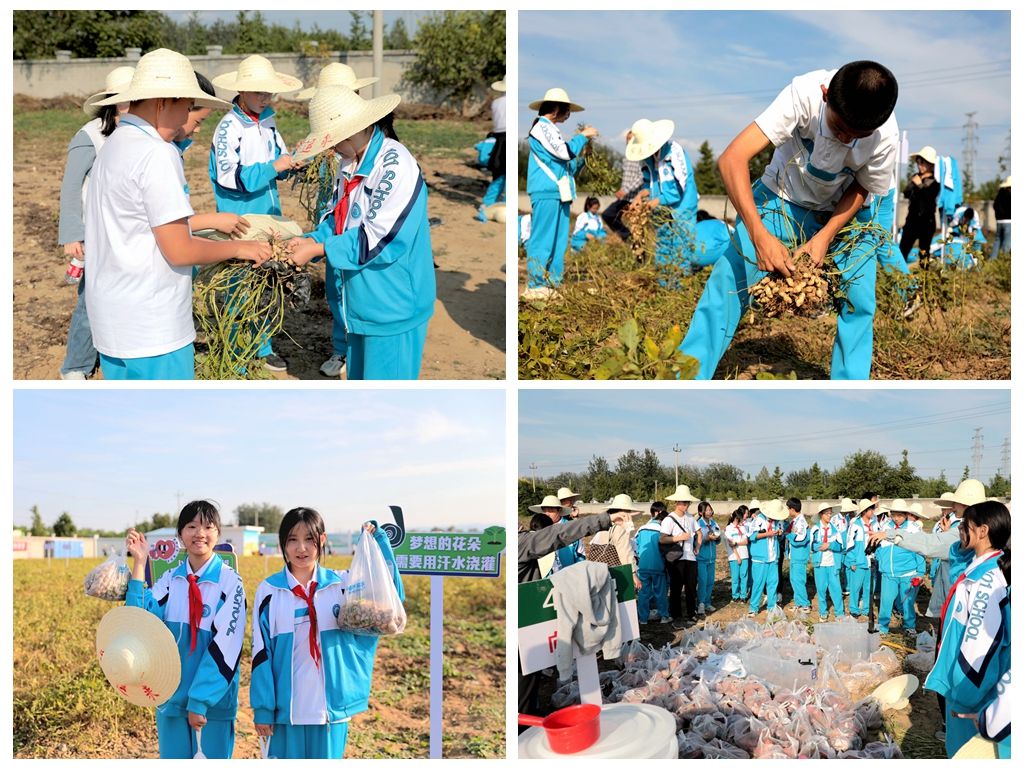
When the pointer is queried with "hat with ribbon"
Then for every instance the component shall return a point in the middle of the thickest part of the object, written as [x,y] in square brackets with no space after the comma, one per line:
[138,656]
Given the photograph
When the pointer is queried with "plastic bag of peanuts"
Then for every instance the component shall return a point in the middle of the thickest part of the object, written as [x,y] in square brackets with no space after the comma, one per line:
[372,606]
[109,580]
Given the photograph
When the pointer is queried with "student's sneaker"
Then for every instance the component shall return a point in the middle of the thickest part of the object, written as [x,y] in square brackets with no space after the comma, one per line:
[480,215]
[541,293]
[274,362]
[846,594]
[700,609]
[709,607]
[805,609]
[665,620]
[822,619]
[333,366]
[751,614]
[653,614]
[73,376]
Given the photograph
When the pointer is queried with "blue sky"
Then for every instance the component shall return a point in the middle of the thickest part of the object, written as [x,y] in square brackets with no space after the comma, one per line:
[713,72]
[339,20]
[560,430]
[104,455]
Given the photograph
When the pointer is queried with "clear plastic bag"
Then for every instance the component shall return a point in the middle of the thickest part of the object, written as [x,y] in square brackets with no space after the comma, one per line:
[109,580]
[716,749]
[372,606]
[889,662]
[691,745]
[710,725]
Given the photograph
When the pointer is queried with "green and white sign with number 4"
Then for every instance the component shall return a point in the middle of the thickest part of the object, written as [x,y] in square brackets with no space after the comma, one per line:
[537,618]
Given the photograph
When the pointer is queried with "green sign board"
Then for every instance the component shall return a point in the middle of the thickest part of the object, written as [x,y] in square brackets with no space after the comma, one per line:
[442,553]
[167,554]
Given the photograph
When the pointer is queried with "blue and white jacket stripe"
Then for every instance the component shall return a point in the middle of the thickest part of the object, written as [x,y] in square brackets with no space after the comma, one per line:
[560,156]
[241,166]
[668,175]
[209,675]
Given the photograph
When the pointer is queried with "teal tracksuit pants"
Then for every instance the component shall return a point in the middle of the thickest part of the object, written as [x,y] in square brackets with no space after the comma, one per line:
[840,567]
[858,582]
[896,589]
[177,365]
[705,580]
[826,581]
[178,739]
[387,357]
[309,741]
[549,238]
[739,571]
[724,300]
[765,577]
[798,581]
[332,287]
[495,192]
[653,588]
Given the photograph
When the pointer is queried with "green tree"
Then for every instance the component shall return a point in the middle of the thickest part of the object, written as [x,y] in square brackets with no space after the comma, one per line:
[359,38]
[906,479]
[599,481]
[966,474]
[397,37]
[252,35]
[87,34]
[64,526]
[459,51]
[267,515]
[38,526]
[759,162]
[862,472]
[709,179]
[934,487]
[998,486]
[762,485]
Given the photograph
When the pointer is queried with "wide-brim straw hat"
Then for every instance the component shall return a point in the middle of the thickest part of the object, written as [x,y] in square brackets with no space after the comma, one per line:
[336,73]
[549,502]
[648,137]
[969,492]
[977,748]
[682,493]
[623,502]
[928,154]
[117,80]
[846,505]
[257,74]
[865,504]
[559,95]
[565,494]
[826,507]
[337,113]
[499,85]
[897,505]
[896,693]
[774,509]
[138,656]
[164,74]
[754,504]
[1006,183]
[916,509]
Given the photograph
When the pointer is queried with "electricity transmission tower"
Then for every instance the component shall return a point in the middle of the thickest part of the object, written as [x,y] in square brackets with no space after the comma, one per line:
[970,150]
[977,451]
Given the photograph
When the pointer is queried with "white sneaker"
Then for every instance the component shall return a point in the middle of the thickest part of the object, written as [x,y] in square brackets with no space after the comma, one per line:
[653,614]
[700,609]
[709,607]
[666,620]
[73,376]
[333,366]
[541,293]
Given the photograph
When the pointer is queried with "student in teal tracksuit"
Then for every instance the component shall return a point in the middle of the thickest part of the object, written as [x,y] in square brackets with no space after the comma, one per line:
[765,535]
[712,239]
[736,543]
[798,542]
[551,159]
[898,567]
[309,677]
[710,533]
[378,235]
[653,581]
[974,646]
[858,565]
[829,156]
[202,602]
[826,541]
[589,225]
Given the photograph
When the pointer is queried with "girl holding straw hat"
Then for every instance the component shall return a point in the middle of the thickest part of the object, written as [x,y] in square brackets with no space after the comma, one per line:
[248,154]
[202,603]
[496,163]
[826,541]
[670,186]
[550,184]
[139,284]
[309,677]
[377,233]
[80,358]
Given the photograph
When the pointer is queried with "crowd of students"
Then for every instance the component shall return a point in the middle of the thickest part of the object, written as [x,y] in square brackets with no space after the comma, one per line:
[127,222]
[853,550]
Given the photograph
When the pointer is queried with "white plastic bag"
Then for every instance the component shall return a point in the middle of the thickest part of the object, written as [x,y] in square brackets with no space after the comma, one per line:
[199,746]
[109,580]
[372,606]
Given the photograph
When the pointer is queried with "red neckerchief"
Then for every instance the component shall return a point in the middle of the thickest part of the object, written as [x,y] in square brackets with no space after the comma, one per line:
[952,591]
[341,209]
[827,526]
[314,642]
[251,115]
[195,609]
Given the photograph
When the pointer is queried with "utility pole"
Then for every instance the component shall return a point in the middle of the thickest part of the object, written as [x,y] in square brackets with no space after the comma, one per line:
[970,151]
[977,450]
[677,450]
[533,468]
[178,497]
[378,58]
[1005,469]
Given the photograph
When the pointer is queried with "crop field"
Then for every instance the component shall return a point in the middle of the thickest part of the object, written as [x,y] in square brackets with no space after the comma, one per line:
[64,707]
[466,336]
[616,318]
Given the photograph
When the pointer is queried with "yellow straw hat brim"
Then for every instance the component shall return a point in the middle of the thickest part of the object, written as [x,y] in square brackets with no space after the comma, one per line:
[308,93]
[164,74]
[337,113]
[132,637]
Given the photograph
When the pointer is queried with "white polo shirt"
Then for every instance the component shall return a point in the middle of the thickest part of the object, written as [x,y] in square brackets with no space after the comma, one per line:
[810,166]
[675,524]
[139,304]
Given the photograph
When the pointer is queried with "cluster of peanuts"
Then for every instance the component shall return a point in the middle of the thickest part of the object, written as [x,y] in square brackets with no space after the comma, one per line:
[108,581]
[365,617]
[805,293]
[637,218]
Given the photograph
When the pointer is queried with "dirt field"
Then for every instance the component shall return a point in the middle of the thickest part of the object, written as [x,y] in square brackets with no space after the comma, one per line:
[466,337]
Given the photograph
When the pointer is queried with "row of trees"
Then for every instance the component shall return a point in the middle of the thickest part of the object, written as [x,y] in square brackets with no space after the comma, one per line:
[267,515]
[642,475]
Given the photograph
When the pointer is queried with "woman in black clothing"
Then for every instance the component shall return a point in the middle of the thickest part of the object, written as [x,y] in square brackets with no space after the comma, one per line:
[922,192]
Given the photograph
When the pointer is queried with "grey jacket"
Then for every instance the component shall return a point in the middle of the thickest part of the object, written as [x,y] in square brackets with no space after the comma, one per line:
[536,544]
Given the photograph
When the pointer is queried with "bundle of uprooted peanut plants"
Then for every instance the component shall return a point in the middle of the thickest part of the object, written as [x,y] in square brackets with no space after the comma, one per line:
[238,307]
[805,293]
[315,183]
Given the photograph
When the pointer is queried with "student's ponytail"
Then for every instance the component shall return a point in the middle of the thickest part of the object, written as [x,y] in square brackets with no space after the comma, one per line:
[1004,564]
[996,516]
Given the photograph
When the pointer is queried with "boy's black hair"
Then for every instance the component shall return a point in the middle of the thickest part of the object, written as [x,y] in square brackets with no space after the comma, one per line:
[794,503]
[589,202]
[205,85]
[108,119]
[863,94]
[968,216]
[206,511]
[703,215]
[540,520]
[293,517]
[996,516]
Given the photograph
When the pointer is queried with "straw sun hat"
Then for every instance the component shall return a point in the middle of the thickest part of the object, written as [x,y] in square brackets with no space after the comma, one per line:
[969,492]
[550,502]
[682,493]
[256,74]
[117,80]
[138,655]
[337,113]
[774,509]
[558,95]
[164,74]
[500,85]
[623,502]
[928,154]
[648,137]
[565,493]
[336,73]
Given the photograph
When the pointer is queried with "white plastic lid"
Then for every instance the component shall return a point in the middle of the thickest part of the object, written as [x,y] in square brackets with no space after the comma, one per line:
[627,730]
